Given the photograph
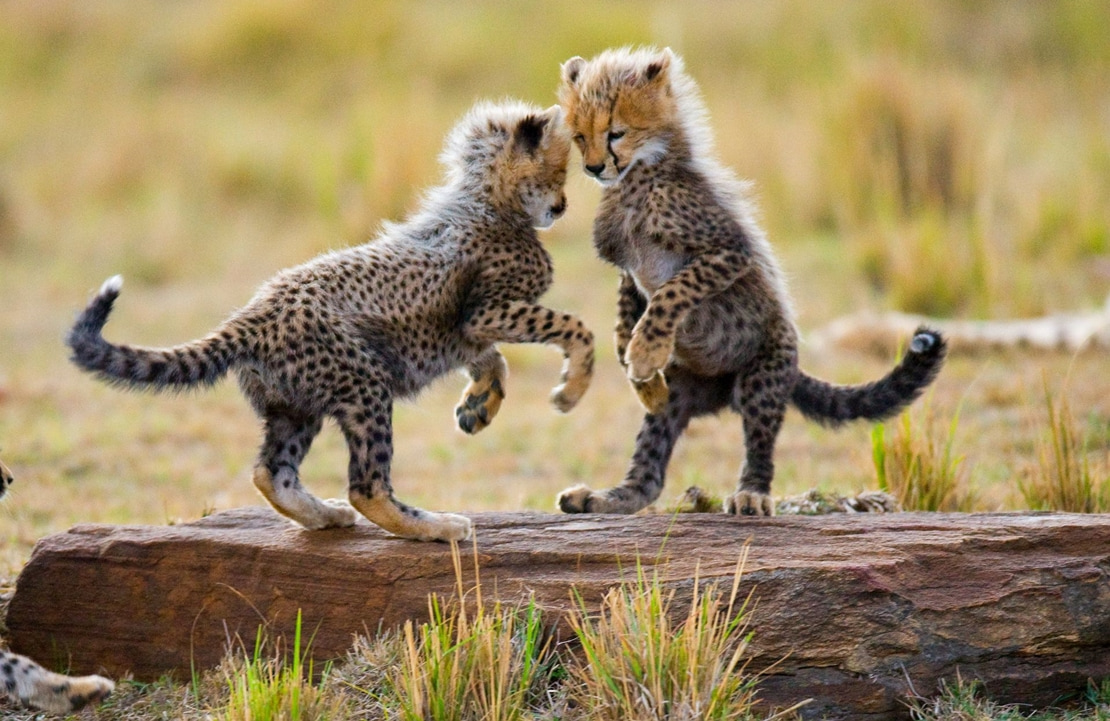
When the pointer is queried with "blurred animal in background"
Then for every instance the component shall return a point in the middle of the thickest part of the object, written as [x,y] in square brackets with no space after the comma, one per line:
[705,321]
[881,333]
[346,334]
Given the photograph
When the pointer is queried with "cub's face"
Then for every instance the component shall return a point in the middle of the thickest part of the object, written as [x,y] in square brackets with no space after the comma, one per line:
[541,145]
[620,110]
[514,154]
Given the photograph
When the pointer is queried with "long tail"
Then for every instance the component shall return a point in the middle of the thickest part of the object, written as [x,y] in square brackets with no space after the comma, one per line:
[833,404]
[200,362]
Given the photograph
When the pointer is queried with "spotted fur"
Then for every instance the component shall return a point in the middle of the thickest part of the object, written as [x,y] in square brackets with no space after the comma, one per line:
[29,684]
[32,686]
[704,318]
[348,333]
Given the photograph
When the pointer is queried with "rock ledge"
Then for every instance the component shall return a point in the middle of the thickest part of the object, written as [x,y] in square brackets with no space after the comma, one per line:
[853,608]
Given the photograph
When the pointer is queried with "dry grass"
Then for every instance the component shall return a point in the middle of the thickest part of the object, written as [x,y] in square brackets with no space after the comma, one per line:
[1067,476]
[493,664]
[639,664]
[963,700]
[919,465]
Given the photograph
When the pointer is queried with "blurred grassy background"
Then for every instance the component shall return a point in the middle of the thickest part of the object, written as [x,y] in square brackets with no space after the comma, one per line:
[944,157]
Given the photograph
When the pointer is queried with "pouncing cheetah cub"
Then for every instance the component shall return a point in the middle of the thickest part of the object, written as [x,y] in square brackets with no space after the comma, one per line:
[31,685]
[704,319]
[347,333]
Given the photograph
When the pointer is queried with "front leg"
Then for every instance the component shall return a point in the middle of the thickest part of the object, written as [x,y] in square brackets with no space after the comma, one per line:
[653,337]
[514,321]
[482,398]
[653,392]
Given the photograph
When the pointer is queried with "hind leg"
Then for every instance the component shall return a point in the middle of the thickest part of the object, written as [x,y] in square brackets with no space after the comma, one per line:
[689,396]
[367,424]
[285,446]
[760,396]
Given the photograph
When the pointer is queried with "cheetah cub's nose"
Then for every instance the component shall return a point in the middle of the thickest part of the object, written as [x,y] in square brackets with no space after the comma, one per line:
[595,169]
[559,208]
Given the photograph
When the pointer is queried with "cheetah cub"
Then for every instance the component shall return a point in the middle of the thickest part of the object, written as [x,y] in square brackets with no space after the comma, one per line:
[704,321]
[31,685]
[347,333]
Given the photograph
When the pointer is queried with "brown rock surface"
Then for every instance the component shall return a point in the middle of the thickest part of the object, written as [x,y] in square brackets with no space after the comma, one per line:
[855,608]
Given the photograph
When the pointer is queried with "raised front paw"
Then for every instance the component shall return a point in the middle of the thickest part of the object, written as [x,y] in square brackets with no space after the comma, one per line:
[479,404]
[750,503]
[644,358]
[567,394]
[653,393]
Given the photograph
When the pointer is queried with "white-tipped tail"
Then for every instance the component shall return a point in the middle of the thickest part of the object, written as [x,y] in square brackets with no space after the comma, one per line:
[112,285]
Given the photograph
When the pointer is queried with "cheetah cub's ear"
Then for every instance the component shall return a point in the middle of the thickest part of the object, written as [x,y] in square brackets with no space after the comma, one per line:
[572,69]
[654,73]
[530,132]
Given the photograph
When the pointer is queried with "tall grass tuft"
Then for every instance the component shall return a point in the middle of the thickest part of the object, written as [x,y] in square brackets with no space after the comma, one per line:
[277,688]
[638,664]
[919,467]
[491,664]
[1063,478]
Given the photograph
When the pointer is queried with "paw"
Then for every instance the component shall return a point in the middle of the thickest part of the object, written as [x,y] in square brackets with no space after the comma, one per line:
[339,513]
[581,499]
[750,503]
[478,405]
[575,499]
[644,358]
[446,527]
[566,396]
[653,393]
[89,690]
[330,513]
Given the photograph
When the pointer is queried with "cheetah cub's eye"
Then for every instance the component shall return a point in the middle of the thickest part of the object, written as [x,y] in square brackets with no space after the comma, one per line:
[615,135]
[579,139]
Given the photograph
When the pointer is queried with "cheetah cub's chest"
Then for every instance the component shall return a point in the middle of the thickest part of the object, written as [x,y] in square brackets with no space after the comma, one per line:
[652,266]
[635,243]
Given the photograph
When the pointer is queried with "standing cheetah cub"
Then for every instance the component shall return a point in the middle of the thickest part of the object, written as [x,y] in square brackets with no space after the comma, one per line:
[704,318]
[345,334]
[31,685]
